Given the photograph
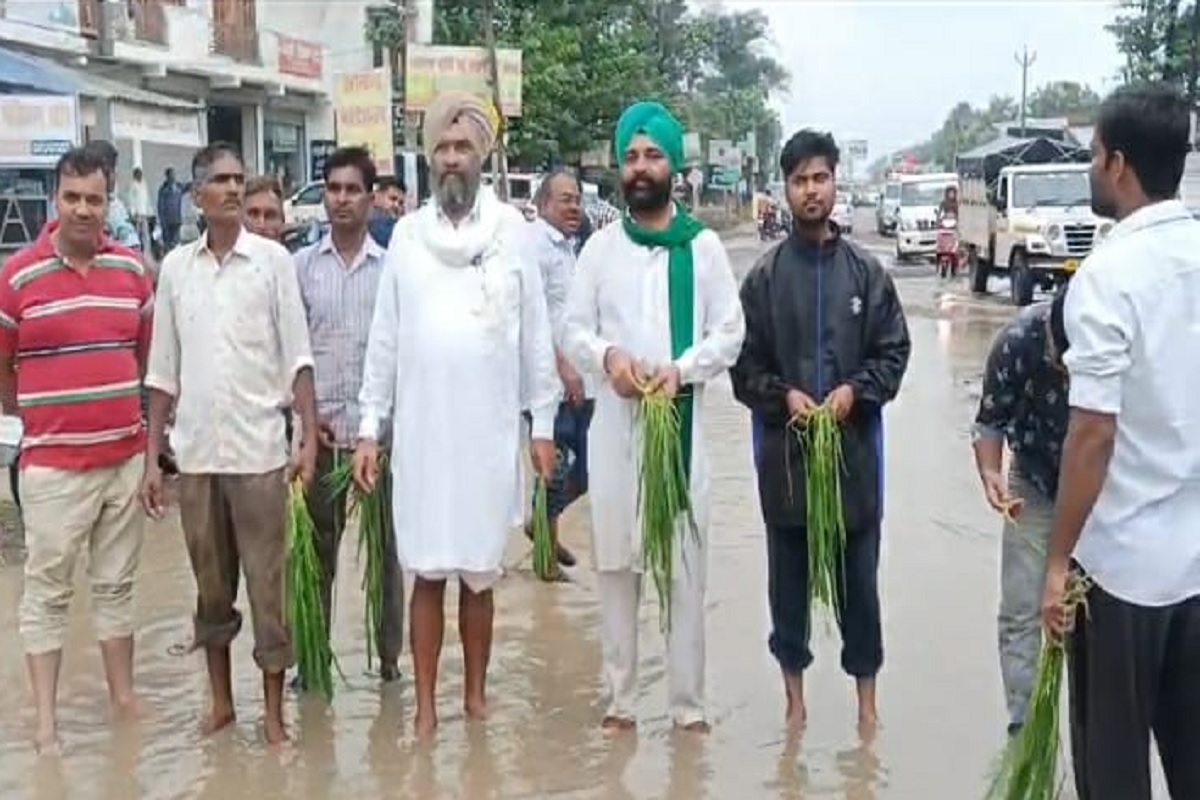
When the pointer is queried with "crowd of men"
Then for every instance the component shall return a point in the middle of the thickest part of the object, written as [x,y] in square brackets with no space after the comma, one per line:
[416,353]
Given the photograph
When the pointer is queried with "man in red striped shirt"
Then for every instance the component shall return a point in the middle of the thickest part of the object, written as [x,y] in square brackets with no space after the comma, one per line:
[75,312]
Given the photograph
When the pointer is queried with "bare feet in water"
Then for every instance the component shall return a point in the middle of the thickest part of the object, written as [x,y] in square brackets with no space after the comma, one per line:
[46,744]
[425,725]
[276,734]
[129,708]
[797,715]
[475,709]
[217,719]
[613,726]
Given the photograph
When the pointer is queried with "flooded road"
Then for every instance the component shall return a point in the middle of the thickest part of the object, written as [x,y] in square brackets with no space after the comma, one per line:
[940,696]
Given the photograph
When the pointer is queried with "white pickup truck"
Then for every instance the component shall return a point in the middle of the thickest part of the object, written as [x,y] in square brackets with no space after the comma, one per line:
[916,214]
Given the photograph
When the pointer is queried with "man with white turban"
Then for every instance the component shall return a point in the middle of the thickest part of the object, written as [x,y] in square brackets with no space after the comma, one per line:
[653,307]
[459,345]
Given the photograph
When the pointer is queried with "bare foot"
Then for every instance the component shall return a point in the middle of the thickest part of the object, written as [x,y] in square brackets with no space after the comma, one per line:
[797,716]
[868,725]
[475,710]
[129,708]
[699,727]
[613,726]
[276,734]
[425,725]
[46,744]
[216,720]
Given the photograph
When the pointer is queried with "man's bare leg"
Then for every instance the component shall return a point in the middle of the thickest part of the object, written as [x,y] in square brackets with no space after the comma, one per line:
[475,616]
[868,714]
[43,676]
[117,655]
[427,629]
[220,686]
[797,714]
[274,726]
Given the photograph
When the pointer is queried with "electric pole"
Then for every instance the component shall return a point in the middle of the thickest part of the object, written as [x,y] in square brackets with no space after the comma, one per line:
[489,32]
[1025,60]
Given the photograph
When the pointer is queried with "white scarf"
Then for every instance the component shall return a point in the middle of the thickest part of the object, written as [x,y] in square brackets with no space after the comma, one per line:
[473,242]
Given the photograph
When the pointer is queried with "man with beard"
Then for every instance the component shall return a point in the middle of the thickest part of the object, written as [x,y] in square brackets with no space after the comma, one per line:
[339,278]
[230,342]
[459,344]
[551,247]
[653,308]
[1128,494]
[824,327]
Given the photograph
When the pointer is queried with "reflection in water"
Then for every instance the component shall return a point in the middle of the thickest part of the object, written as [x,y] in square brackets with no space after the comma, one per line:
[543,739]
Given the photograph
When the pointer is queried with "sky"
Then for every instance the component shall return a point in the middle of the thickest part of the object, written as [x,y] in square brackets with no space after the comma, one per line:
[888,71]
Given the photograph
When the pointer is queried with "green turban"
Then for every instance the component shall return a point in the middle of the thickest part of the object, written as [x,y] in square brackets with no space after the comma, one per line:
[653,120]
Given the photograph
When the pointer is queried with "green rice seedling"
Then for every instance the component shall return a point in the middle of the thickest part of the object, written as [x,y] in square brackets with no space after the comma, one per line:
[544,557]
[310,631]
[820,439]
[664,499]
[1029,766]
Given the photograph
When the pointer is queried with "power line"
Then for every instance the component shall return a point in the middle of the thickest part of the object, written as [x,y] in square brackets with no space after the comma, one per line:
[1025,60]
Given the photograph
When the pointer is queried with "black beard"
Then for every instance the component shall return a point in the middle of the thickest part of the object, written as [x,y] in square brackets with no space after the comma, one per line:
[645,194]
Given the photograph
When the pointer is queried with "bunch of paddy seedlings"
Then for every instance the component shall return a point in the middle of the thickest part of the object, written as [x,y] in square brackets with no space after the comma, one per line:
[1029,766]
[373,515]
[544,557]
[663,493]
[310,629]
[820,439]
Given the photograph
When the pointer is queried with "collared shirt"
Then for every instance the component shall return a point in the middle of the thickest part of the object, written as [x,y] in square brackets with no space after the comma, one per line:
[380,224]
[339,299]
[139,199]
[120,227]
[1024,399]
[555,257]
[77,339]
[229,338]
[1133,319]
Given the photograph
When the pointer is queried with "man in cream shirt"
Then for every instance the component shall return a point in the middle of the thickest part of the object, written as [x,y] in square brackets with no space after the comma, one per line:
[1128,504]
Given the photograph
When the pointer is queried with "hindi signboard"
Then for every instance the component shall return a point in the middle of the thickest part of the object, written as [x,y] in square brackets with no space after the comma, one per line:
[362,104]
[35,129]
[432,69]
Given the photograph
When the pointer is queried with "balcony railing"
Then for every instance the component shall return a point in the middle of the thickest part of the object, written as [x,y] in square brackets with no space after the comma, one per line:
[236,41]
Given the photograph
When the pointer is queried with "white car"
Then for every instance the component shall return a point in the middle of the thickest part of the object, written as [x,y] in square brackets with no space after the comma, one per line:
[306,204]
[843,213]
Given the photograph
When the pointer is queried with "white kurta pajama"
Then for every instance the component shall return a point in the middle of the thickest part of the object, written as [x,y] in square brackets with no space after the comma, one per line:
[619,298]
[460,343]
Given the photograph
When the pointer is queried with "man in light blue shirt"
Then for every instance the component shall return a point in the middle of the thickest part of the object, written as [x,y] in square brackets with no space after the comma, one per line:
[120,225]
[552,244]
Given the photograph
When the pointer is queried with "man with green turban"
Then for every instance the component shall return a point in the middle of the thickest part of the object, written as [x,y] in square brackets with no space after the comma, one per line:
[653,308]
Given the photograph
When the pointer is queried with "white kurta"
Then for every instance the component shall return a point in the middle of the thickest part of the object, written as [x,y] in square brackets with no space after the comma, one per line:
[620,299]
[460,343]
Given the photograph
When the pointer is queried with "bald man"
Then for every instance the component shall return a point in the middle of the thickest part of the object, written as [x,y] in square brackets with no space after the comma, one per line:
[459,344]
[653,304]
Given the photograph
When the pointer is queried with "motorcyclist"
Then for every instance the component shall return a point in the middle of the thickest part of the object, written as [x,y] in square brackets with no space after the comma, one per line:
[949,205]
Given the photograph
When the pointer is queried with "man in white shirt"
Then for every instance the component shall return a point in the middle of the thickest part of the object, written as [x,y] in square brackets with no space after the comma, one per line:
[230,339]
[139,207]
[1128,503]
[552,247]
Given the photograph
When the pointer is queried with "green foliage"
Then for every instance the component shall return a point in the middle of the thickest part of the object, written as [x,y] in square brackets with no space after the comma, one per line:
[1160,40]
[585,60]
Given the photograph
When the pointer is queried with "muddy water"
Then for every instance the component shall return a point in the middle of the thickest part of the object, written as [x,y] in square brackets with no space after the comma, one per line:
[940,692]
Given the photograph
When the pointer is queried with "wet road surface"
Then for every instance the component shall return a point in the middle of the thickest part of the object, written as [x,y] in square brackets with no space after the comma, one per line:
[940,696]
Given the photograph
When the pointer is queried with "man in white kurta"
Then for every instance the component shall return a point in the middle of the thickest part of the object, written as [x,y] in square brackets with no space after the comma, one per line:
[619,329]
[459,344]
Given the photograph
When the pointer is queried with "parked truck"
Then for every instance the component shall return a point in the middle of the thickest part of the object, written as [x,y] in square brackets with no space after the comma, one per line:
[1025,211]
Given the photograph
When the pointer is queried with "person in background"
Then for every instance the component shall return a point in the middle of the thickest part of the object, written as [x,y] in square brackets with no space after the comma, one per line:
[551,247]
[170,209]
[230,338]
[119,225]
[948,209]
[339,280]
[262,209]
[653,307]
[824,329]
[75,321]
[140,209]
[387,208]
[1128,496]
[1023,404]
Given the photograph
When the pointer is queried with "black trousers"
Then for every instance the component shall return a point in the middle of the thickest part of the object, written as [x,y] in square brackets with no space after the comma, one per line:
[787,589]
[1135,671]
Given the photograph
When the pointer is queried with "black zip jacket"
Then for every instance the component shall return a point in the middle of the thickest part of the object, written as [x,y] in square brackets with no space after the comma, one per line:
[817,317]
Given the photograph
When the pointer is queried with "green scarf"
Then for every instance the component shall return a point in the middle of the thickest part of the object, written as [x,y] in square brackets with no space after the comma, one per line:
[681,291]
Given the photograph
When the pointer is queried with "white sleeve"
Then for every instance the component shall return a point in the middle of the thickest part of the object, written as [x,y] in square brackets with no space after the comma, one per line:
[539,373]
[1099,324]
[582,344]
[723,324]
[377,395]
[162,365]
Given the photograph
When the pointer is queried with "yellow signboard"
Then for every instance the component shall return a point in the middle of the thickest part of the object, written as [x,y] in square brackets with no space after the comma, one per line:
[362,104]
[432,69]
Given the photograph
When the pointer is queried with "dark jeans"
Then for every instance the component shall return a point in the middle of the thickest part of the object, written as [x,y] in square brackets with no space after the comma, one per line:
[570,481]
[1135,671]
[14,481]
[787,591]
[328,510]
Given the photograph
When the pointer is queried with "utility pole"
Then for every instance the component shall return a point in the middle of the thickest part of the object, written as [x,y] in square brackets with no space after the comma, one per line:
[1025,60]
[501,156]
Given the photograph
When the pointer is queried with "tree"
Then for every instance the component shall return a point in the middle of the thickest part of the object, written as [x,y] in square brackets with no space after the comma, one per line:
[585,60]
[1160,40]
[1075,101]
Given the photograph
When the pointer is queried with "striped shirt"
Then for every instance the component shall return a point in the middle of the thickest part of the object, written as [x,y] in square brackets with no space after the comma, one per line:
[79,340]
[340,301]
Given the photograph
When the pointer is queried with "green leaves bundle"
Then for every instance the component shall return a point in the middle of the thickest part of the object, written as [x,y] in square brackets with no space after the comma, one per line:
[544,557]
[310,631]
[1029,766]
[663,494]
[821,441]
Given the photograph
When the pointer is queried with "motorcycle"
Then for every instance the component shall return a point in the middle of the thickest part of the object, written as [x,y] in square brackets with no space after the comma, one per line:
[946,259]
[769,226]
